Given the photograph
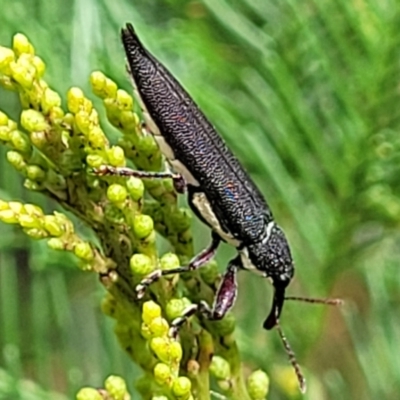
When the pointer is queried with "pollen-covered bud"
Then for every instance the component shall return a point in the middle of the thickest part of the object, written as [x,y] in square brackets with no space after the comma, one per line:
[117,193]
[7,56]
[258,385]
[147,145]
[116,387]
[33,121]
[84,251]
[23,71]
[28,221]
[53,226]
[35,173]
[116,156]
[141,264]
[50,99]
[98,82]
[56,244]
[220,368]
[21,45]
[20,142]
[125,100]
[39,65]
[175,307]
[159,327]
[36,233]
[97,139]
[161,347]
[169,261]
[181,387]
[163,374]
[16,160]
[135,188]
[95,160]
[89,394]
[8,216]
[143,226]
[150,311]
[75,99]
[175,351]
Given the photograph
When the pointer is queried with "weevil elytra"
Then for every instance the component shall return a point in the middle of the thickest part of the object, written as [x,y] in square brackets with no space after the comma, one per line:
[219,190]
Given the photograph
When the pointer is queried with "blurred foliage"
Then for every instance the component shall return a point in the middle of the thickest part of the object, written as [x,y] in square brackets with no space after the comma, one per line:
[307,95]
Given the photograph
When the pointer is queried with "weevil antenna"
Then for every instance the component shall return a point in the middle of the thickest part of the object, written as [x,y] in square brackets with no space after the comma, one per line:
[329,302]
[292,358]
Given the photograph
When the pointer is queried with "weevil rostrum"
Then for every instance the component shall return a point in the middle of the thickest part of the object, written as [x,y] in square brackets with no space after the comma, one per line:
[219,190]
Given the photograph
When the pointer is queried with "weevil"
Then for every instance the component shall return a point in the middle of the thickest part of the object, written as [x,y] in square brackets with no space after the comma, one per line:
[219,190]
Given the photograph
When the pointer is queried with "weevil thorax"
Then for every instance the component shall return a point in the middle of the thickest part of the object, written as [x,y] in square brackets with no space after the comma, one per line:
[271,255]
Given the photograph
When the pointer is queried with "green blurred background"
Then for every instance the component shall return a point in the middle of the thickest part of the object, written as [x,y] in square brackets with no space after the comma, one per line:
[307,95]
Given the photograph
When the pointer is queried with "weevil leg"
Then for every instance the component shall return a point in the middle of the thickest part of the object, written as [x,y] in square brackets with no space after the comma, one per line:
[198,261]
[178,179]
[223,302]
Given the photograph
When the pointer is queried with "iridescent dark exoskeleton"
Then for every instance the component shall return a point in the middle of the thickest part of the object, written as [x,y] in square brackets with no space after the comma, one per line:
[219,190]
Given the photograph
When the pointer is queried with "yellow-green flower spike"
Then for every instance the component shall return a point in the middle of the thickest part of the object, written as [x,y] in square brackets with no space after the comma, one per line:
[89,394]
[161,347]
[163,374]
[28,221]
[258,385]
[95,160]
[150,311]
[181,387]
[220,368]
[116,387]
[39,65]
[143,226]
[76,100]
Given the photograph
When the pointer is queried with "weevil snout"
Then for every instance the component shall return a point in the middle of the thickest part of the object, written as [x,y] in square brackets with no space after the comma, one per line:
[271,256]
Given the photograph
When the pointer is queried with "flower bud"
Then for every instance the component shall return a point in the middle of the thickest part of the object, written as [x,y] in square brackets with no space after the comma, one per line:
[116,387]
[21,45]
[116,156]
[162,374]
[135,188]
[258,385]
[158,327]
[143,226]
[89,394]
[220,368]
[33,121]
[117,193]
[141,264]
[84,251]
[169,261]
[181,387]
[150,311]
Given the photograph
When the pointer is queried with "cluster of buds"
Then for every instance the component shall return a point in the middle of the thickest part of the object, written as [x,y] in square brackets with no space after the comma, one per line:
[168,351]
[114,389]
[57,228]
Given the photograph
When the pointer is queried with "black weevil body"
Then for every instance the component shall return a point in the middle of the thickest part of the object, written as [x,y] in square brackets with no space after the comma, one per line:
[220,192]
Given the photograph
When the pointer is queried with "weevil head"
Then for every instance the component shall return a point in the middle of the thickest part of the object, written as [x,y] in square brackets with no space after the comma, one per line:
[271,256]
